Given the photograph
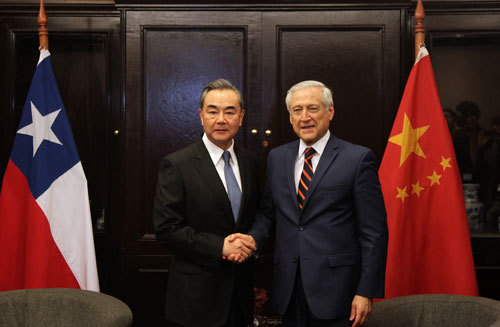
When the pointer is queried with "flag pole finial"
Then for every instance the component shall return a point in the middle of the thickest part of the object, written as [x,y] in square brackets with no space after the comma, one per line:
[419,27]
[43,32]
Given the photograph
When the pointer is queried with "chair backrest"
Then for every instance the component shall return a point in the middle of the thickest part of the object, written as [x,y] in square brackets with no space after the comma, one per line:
[62,307]
[436,310]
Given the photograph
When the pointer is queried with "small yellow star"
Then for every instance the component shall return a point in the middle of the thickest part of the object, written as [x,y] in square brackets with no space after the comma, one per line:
[434,178]
[402,194]
[417,188]
[445,163]
[408,140]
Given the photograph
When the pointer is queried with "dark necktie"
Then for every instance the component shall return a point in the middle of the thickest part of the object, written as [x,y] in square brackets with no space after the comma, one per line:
[233,190]
[306,177]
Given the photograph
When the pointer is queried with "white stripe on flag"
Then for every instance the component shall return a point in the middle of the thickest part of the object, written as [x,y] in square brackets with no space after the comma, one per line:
[70,224]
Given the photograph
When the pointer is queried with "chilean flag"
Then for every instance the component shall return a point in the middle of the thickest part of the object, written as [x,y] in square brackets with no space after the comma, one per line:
[46,235]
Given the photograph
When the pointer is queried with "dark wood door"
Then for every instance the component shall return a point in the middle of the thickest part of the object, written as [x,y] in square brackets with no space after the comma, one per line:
[170,57]
[355,53]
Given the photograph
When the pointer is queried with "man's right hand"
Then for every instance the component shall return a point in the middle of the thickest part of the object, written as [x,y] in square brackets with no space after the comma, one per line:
[238,247]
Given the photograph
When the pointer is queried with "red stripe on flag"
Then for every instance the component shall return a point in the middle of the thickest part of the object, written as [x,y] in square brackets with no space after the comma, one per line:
[29,256]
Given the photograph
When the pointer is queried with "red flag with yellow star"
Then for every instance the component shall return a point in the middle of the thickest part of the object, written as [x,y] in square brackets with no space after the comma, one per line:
[429,242]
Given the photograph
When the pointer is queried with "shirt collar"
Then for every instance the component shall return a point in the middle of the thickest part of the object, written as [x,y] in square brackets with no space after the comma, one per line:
[319,146]
[215,152]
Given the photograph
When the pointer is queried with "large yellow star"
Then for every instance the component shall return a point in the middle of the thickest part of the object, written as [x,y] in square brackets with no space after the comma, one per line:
[445,163]
[417,188]
[402,194]
[434,178]
[408,140]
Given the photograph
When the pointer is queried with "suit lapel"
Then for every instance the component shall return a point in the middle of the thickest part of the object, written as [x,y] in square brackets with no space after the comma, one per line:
[244,167]
[203,163]
[291,157]
[328,156]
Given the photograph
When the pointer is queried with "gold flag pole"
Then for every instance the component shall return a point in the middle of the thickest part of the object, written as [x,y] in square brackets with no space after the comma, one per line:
[43,32]
[419,27]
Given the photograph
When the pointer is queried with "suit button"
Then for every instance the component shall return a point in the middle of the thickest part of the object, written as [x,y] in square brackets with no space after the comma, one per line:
[294,260]
[301,228]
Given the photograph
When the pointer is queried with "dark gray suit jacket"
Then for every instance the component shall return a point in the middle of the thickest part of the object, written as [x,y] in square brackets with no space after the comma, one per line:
[192,216]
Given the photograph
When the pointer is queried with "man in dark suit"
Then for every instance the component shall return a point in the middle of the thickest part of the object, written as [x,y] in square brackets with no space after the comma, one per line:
[206,192]
[324,197]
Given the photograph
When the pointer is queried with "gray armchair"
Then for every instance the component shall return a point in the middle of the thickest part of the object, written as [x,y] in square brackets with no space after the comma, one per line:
[62,307]
[443,310]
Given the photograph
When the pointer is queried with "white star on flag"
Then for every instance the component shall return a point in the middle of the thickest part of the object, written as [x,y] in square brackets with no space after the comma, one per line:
[40,128]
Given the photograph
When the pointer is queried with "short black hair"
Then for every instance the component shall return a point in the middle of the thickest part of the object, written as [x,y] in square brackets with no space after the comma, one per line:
[219,84]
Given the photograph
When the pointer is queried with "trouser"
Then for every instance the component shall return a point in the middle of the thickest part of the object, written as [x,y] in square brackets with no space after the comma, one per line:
[298,313]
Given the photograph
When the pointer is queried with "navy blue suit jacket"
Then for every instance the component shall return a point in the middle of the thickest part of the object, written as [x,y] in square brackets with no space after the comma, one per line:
[340,236]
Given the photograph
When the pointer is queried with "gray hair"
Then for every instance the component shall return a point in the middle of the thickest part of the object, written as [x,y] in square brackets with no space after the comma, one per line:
[327,93]
[219,84]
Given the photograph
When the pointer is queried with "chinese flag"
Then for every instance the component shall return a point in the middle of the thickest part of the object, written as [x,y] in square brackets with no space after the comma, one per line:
[429,242]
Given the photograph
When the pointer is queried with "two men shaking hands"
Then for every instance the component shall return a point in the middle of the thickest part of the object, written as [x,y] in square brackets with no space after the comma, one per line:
[238,247]
[322,198]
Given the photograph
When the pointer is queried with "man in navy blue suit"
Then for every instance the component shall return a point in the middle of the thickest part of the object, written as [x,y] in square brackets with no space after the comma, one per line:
[323,196]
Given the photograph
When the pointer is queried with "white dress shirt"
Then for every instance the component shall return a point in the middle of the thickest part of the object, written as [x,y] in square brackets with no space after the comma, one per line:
[319,147]
[216,155]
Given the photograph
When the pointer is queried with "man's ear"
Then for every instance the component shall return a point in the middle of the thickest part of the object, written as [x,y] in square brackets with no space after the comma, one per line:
[200,111]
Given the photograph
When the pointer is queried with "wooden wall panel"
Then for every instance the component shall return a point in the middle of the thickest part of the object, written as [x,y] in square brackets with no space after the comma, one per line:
[170,57]
[178,63]
[357,54]
[350,62]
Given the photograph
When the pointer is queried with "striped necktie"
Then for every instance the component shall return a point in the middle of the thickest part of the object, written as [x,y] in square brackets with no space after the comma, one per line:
[306,177]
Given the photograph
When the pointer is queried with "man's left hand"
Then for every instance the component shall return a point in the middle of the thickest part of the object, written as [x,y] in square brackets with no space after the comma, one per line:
[360,310]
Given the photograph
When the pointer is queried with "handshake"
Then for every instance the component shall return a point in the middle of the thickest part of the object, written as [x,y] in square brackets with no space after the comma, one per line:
[238,247]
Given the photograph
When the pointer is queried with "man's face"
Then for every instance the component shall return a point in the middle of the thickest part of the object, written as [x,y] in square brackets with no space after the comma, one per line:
[221,117]
[309,117]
